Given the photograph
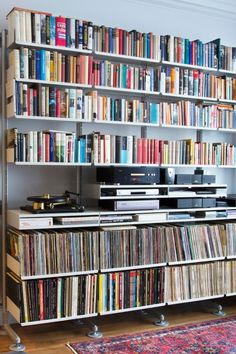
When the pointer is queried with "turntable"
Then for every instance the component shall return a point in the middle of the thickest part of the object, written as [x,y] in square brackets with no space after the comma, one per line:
[48,203]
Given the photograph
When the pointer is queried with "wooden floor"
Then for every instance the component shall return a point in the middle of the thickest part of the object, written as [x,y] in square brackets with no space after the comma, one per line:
[52,339]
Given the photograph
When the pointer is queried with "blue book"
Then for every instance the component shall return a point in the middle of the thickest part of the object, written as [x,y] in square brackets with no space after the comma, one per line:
[148,46]
[43,64]
[52,147]
[52,30]
[112,109]
[110,40]
[82,150]
[153,113]
[186,61]
[76,157]
[38,65]
[124,76]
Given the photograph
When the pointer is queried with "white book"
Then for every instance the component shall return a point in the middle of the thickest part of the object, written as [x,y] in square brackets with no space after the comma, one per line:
[129,149]
[43,101]
[35,146]
[95,147]
[47,64]
[90,37]
[163,82]
[26,63]
[74,309]
[28,31]
[107,144]
[22,26]
[14,33]
[79,103]
[14,62]
[72,33]
[37,28]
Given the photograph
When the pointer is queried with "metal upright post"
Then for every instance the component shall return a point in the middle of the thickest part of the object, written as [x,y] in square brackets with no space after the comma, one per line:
[17,346]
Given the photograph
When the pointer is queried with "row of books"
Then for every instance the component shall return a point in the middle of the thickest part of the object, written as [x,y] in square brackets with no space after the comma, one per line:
[40,64]
[50,101]
[45,299]
[197,153]
[55,146]
[50,252]
[44,28]
[51,146]
[121,290]
[195,281]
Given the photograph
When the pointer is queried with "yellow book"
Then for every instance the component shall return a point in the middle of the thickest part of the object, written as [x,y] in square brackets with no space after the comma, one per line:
[100,293]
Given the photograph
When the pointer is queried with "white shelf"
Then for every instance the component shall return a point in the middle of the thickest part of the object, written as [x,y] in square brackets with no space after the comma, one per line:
[190,127]
[187,165]
[131,309]
[50,47]
[57,275]
[227,130]
[52,119]
[225,72]
[195,299]
[53,83]
[126,164]
[113,122]
[192,261]
[188,97]
[53,320]
[19,163]
[135,59]
[224,100]
[127,90]
[144,266]
[169,186]
[189,66]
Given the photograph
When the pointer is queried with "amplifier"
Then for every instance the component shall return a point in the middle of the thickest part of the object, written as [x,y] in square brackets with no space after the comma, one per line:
[121,205]
[128,175]
[185,203]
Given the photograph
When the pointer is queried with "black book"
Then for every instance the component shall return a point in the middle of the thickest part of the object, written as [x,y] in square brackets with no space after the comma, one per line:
[30,63]
[68,32]
[85,35]
[33,26]
[67,68]
[47,29]
[76,33]
[52,102]
[118,148]
[43,28]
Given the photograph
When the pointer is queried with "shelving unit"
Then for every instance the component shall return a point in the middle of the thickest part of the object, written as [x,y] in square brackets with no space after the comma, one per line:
[101,220]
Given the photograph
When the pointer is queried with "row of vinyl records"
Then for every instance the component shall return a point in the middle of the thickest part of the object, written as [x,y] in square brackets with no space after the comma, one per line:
[48,101]
[51,252]
[73,296]
[41,64]
[53,298]
[43,28]
[66,147]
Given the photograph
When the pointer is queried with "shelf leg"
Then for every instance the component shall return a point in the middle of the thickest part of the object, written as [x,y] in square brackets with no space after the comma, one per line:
[95,334]
[17,346]
[219,311]
[161,320]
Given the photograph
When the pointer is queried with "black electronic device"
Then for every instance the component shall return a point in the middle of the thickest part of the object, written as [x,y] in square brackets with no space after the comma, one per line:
[208,202]
[183,179]
[128,175]
[47,203]
[184,203]
[167,175]
[231,200]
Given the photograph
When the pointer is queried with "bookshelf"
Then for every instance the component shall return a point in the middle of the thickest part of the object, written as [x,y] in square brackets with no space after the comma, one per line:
[105,92]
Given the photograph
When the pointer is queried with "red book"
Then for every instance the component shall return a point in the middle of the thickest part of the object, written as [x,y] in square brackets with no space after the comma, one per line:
[47,147]
[128,78]
[90,70]
[28,101]
[158,151]
[145,150]
[139,150]
[81,70]
[120,41]
[61,31]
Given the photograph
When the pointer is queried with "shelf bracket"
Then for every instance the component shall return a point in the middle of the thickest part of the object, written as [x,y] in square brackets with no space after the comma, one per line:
[17,346]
